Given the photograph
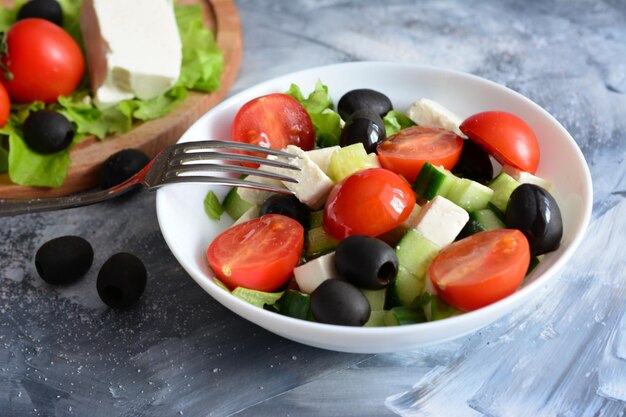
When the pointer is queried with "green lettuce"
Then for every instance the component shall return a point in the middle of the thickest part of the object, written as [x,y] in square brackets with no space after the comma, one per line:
[212,206]
[201,69]
[319,105]
[396,121]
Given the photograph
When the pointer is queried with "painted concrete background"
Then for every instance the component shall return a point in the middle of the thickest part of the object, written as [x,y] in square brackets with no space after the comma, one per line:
[178,352]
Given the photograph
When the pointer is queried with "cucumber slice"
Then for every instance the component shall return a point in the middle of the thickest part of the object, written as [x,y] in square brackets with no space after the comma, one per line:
[436,309]
[348,160]
[469,194]
[432,181]
[377,319]
[376,298]
[481,220]
[318,243]
[399,316]
[317,219]
[234,205]
[503,186]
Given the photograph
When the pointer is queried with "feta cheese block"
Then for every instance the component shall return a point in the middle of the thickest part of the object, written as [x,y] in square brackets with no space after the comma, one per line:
[313,185]
[257,197]
[133,48]
[526,177]
[425,112]
[311,274]
[440,220]
[322,157]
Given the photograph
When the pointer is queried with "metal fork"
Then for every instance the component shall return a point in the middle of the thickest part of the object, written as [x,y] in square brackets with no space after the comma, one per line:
[170,166]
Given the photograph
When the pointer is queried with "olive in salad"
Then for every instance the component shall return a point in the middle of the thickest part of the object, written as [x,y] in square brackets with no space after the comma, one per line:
[407,228]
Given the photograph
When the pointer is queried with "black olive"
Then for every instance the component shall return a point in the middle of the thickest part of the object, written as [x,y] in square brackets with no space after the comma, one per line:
[287,205]
[121,166]
[533,211]
[43,9]
[363,126]
[366,262]
[46,131]
[121,280]
[474,163]
[363,99]
[64,259]
[338,302]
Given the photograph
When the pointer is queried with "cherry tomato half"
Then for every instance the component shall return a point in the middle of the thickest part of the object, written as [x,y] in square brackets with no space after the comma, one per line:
[369,202]
[259,254]
[406,152]
[46,62]
[481,269]
[507,137]
[5,106]
[274,121]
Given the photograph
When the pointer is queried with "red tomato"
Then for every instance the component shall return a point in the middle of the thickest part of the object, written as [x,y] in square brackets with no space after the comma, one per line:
[259,254]
[481,269]
[274,121]
[5,106]
[507,137]
[45,61]
[369,202]
[406,152]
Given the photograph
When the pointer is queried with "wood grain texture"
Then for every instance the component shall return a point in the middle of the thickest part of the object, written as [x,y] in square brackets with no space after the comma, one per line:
[222,17]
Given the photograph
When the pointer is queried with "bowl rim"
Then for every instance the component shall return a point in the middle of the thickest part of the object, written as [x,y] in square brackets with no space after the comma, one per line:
[482,314]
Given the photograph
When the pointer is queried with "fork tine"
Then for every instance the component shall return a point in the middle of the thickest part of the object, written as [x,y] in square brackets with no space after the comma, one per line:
[233,182]
[185,147]
[180,159]
[236,169]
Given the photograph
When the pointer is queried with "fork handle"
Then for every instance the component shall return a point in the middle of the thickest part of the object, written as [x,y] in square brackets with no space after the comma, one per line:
[16,206]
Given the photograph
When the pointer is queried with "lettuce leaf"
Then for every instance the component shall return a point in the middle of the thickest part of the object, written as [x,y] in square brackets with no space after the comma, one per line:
[396,121]
[319,105]
[201,70]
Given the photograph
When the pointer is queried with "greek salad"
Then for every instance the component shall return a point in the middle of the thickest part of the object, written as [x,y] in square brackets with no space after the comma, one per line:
[397,217]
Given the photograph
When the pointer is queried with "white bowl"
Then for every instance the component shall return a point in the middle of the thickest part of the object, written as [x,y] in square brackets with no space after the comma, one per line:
[188,231]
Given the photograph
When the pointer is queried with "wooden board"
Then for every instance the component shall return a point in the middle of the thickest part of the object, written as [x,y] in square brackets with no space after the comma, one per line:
[222,18]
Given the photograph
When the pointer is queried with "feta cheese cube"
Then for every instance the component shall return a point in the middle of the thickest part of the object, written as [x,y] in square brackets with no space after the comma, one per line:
[321,157]
[526,177]
[425,112]
[257,197]
[311,274]
[133,48]
[440,220]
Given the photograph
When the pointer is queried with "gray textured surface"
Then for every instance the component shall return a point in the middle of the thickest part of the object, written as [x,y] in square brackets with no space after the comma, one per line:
[62,353]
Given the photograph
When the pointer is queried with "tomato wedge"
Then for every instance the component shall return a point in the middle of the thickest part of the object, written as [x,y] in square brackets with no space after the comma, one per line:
[406,152]
[507,137]
[369,202]
[259,254]
[274,121]
[480,269]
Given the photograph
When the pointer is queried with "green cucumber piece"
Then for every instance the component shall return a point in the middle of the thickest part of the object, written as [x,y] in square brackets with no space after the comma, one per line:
[318,242]
[348,160]
[469,194]
[316,219]
[503,186]
[399,316]
[376,298]
[436,309]
[481,220]
[433,181]
[233,205]
[294,304]
[377,319]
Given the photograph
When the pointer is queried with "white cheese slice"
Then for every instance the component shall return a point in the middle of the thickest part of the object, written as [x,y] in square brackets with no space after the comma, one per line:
[133,48]
[313,185]
[257,197]
[425,112]
[311,274]
[321,157]
[526,177]
[440,220]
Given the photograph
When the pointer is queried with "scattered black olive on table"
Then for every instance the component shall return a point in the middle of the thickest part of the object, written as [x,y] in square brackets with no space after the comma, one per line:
[366,262]
[49,10]
[46,132]
[287,205]
[121,280]
[121,166]
[338,302]
[64,259]
[533,211]
[363,98]
[363,126]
